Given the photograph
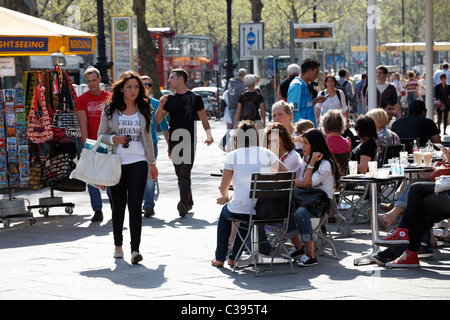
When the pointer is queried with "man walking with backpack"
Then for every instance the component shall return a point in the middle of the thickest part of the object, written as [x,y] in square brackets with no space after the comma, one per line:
[235,88]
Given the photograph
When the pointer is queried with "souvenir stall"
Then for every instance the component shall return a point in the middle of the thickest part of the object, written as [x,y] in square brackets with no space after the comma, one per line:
[38,123]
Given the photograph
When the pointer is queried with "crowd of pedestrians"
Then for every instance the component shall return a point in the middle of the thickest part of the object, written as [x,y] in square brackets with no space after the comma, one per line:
[312,122]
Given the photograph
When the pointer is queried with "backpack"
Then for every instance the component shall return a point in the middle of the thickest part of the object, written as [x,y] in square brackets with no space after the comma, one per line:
[342,88]
[249,110]
[235,88]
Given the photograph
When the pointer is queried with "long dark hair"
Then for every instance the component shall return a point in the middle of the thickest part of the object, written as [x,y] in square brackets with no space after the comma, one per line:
[117,102]
[318,144]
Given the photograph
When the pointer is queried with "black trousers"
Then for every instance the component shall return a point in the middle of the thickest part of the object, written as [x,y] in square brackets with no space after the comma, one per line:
[129,191]
[423,205]
[183,164]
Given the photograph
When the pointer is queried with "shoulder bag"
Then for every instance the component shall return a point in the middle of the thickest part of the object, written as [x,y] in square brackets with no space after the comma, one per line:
[98,168]
[312,199]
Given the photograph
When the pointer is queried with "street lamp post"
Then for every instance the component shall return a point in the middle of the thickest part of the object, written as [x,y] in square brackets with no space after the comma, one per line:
[102,65]
[229,66]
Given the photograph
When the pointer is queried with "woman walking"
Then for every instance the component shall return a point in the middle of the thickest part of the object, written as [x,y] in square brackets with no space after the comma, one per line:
[125,124]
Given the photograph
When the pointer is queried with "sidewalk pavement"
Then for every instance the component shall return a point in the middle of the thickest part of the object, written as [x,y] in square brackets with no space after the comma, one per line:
[66,257]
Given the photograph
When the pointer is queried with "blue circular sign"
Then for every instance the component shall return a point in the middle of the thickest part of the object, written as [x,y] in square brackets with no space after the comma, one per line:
[251,38]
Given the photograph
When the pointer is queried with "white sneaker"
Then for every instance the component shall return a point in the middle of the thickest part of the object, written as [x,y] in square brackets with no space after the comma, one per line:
[118,253]
[136,257]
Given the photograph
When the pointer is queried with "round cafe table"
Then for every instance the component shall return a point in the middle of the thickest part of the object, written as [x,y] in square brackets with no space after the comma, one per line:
[373,182]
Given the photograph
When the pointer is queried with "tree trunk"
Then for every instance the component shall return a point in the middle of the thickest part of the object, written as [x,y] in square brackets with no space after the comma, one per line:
[146,47]
[257,7]
[22,62]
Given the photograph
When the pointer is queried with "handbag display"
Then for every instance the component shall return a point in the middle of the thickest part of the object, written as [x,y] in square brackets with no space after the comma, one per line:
[312,199]
[442,184]
[98,168]
[39,122]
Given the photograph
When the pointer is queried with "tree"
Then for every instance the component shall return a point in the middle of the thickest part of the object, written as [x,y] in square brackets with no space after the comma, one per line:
[146,47]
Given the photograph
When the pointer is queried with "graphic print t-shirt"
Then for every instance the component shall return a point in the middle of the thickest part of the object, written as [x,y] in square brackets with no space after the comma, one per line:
[129,125]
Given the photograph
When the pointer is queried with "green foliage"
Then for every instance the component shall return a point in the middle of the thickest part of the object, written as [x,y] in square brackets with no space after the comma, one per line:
[208,17]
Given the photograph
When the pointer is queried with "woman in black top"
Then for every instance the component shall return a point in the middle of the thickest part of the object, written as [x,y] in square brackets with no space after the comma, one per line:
[367,149]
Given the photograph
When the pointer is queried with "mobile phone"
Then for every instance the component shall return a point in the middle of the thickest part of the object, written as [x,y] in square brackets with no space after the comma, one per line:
[439,146]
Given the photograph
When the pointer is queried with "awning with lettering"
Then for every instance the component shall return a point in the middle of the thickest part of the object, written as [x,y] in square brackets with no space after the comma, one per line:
[23,35]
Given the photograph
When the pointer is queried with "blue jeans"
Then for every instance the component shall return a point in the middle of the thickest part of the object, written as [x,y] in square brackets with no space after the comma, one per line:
[224,231]
[96,197]
[149,193]
[410,98]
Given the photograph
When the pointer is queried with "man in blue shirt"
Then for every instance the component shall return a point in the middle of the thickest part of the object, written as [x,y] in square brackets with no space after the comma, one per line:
[149,193]
[299,93]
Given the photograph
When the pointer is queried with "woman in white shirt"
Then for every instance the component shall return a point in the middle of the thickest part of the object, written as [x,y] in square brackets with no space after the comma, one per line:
[335,99]
[239,166]
[125,124]
[318,170]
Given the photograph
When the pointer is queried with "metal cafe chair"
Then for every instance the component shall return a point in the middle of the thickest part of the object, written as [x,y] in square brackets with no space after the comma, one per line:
[277,187]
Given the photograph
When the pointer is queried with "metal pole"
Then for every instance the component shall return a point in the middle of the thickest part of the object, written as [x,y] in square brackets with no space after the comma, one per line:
[102,65]
[372,16]
[403,36]
[429,58]
[292,42]
[229,66]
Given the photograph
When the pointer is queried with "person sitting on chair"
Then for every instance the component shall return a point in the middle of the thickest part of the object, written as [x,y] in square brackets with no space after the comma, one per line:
[319,169]
[247,158]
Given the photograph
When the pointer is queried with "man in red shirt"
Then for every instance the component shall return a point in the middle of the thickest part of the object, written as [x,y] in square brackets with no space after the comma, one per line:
[89,108]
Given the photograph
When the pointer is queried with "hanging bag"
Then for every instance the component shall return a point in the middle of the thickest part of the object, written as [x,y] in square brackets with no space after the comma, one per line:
[39,128]
[98,168]
[65,121]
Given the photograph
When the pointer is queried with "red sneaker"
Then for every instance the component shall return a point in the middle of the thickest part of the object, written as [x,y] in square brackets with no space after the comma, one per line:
[408,259]
[398,238]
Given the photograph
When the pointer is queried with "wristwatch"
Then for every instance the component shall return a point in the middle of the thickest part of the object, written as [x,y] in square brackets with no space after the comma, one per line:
[309,167]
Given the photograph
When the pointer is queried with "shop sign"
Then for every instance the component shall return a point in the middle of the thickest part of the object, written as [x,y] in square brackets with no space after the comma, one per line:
[19,44]
[7,67]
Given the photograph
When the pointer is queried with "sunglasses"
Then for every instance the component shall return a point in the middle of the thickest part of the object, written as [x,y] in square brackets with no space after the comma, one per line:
[127,144]
[148,85]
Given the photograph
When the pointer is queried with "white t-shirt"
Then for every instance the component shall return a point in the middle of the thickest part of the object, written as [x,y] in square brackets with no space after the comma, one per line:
[129,125]
[322,179]
[332,102]
[294,162]
[244,162]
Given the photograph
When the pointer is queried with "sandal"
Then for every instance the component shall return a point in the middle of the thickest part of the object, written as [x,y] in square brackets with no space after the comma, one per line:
[230,263]
[216,263]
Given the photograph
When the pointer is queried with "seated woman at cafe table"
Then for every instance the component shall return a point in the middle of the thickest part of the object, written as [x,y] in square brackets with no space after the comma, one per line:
[366,151]
[247,158]
[279,141]
[319,170]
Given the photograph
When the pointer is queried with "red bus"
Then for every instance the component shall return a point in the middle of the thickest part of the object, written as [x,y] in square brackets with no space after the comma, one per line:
[192,53]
